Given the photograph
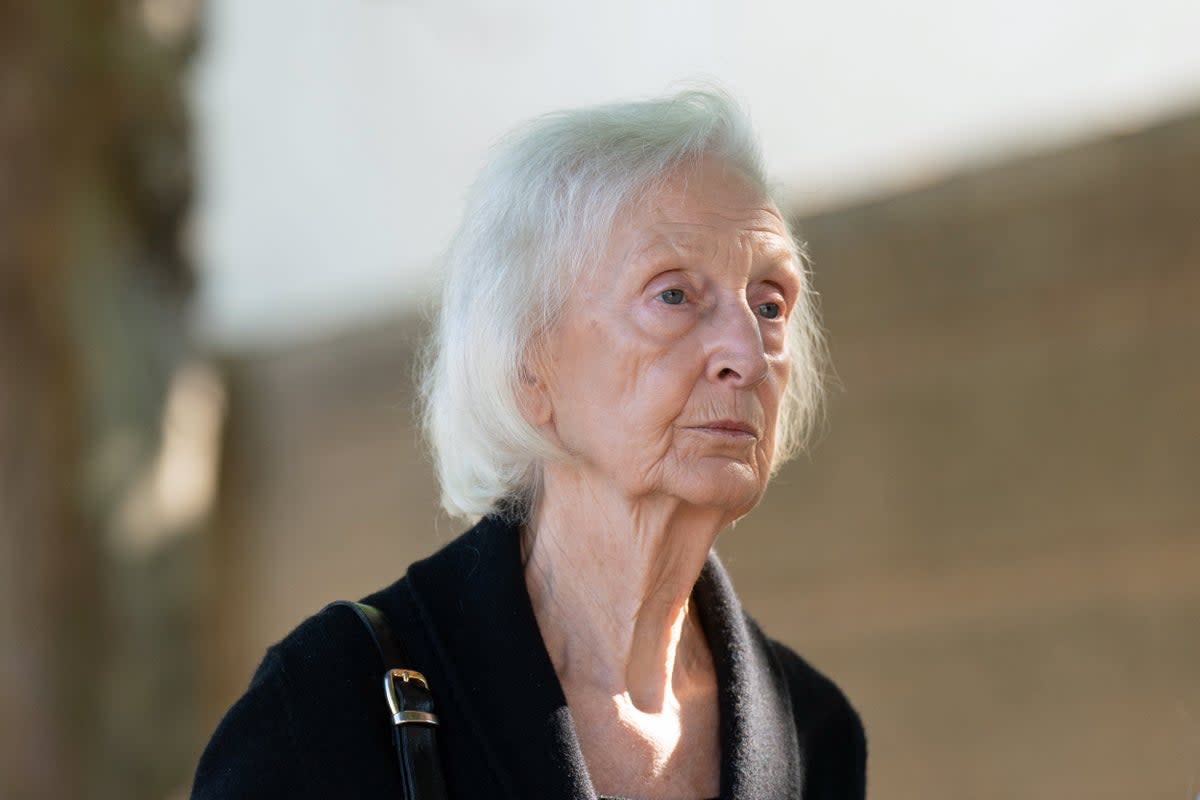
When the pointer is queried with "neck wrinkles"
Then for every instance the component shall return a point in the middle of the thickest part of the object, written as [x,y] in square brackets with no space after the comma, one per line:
[610,584]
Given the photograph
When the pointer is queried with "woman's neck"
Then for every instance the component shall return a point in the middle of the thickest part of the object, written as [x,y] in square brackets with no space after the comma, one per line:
[610,580]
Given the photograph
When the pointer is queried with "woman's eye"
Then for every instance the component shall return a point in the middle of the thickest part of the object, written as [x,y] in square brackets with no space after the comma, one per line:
[769,310]
[672,297]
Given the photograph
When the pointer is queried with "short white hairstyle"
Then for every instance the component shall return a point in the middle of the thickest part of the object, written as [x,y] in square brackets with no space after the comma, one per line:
[535,218]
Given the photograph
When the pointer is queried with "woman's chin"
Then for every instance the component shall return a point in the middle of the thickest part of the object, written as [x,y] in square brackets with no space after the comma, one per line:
[734,486]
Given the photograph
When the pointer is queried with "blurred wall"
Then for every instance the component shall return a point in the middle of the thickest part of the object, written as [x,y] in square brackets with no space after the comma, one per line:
[995,545]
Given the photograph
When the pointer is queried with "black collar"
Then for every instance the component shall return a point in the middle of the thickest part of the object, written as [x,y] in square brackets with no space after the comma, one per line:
[472,599]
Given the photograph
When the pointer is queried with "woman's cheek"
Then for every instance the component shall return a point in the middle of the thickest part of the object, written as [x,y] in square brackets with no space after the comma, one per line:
[661,322]
[774,336]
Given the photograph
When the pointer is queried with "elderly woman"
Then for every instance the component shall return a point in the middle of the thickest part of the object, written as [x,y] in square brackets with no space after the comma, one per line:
[627,350]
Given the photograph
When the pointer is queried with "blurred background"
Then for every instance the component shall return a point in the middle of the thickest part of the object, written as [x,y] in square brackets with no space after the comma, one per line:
[220,224]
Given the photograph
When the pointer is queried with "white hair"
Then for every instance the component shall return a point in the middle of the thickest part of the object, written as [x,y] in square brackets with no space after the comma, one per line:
[536,216]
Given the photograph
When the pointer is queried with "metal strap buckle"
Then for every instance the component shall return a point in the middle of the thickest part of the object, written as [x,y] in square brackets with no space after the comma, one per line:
[389,689]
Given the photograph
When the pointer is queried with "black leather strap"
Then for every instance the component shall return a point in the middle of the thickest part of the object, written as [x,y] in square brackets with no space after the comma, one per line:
[410,706]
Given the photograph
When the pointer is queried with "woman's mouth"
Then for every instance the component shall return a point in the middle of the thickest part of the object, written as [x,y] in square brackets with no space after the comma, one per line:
[728,428]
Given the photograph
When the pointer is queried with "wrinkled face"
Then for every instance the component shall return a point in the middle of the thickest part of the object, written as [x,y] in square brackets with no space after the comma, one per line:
[666,373]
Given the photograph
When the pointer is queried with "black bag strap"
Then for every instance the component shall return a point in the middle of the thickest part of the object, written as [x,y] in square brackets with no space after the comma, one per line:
[410,706]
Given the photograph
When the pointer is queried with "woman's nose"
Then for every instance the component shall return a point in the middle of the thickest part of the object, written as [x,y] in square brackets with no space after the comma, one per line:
[736,352]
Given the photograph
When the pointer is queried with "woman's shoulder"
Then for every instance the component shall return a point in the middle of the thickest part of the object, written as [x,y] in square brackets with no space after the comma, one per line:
[810,688]
[309,715]
[327,651]
[829,726]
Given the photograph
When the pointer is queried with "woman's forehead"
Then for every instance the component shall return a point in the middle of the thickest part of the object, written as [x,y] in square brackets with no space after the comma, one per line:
[702,200]
[697,225]
[655,240]
[697,209]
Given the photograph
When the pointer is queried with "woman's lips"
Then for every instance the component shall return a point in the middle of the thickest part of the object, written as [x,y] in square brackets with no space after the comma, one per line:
[727,428]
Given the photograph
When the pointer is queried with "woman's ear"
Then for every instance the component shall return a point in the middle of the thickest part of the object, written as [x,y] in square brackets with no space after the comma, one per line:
[533,393]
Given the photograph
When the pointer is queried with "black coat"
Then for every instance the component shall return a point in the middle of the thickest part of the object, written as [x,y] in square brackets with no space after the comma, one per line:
[313,723]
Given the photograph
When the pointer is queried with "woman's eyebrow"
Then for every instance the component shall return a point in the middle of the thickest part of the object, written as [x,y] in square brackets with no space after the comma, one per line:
[773,250]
